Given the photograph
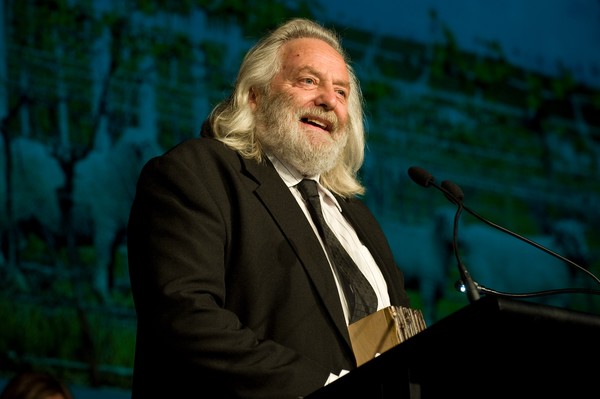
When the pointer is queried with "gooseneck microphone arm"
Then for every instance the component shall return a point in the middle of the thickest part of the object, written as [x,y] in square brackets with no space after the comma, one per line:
[452,187]
[456,196]
[470,285]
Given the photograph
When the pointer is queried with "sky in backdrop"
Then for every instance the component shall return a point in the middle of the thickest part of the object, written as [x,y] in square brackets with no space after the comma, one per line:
[534,34]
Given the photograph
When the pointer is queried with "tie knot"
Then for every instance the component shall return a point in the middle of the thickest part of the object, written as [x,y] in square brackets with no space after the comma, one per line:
[308,188]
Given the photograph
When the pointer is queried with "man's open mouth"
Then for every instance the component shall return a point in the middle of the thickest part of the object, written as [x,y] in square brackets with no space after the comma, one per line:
[316,122]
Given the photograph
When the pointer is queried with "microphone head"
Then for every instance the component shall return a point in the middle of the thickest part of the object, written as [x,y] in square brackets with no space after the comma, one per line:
[420,176]
[453,189]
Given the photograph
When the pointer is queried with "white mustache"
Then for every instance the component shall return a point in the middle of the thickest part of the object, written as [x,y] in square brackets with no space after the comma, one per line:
[318,116]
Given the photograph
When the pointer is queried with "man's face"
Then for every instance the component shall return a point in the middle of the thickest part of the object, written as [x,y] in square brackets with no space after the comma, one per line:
[304,118]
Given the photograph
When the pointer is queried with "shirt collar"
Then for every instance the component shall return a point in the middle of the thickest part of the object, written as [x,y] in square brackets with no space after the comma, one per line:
[292,177]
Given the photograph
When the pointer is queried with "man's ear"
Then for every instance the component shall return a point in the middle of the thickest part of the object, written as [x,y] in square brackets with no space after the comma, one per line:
[252,98]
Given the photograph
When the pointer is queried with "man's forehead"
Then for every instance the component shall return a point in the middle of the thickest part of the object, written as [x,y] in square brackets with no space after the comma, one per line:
[312,55]
[309,46]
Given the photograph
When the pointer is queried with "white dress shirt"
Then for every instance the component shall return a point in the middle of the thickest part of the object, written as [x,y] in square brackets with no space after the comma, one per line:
[332,212]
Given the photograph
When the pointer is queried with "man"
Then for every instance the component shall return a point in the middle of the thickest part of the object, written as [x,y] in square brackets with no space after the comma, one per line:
[233,289]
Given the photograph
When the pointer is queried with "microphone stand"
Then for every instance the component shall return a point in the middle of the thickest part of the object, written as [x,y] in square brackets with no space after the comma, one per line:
[470,286]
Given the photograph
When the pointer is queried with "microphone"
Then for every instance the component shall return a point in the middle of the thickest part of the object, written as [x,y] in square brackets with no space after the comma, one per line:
[454,190]
[455,195]
[423,178]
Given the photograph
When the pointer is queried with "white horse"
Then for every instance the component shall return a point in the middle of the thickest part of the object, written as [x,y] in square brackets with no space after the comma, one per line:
[36,177]
[104,187]
[104,190]
[423,252]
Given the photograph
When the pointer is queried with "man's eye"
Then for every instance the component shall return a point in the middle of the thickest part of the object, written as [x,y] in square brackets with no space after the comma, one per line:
[342,93]
[309,81]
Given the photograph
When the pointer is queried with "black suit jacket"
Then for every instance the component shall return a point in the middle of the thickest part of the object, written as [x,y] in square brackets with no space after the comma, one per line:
[233,292]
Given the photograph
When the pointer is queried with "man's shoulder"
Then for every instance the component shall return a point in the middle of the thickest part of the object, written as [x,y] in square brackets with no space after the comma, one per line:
[199,143]
[200,148]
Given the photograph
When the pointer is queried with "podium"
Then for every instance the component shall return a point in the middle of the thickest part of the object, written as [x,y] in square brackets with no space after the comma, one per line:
[494,347]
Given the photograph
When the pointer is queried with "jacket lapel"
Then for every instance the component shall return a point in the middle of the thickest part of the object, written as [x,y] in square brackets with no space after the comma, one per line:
[375,247]
[284,209]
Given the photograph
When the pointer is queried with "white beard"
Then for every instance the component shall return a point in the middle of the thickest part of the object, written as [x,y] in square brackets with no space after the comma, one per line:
[281,134]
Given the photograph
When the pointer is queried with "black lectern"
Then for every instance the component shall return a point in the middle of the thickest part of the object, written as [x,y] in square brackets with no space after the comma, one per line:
[494,347]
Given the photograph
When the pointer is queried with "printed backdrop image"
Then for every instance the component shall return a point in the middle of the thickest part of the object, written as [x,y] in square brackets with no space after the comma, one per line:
[501,98]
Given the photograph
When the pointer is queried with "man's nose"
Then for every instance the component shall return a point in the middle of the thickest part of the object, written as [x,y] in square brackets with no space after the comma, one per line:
[327,98]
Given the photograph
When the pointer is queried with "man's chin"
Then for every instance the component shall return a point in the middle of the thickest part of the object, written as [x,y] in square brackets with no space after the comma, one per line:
[319,137]
[315,165]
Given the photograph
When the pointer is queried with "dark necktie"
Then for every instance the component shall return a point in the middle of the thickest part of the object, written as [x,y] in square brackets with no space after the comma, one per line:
[359,293]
